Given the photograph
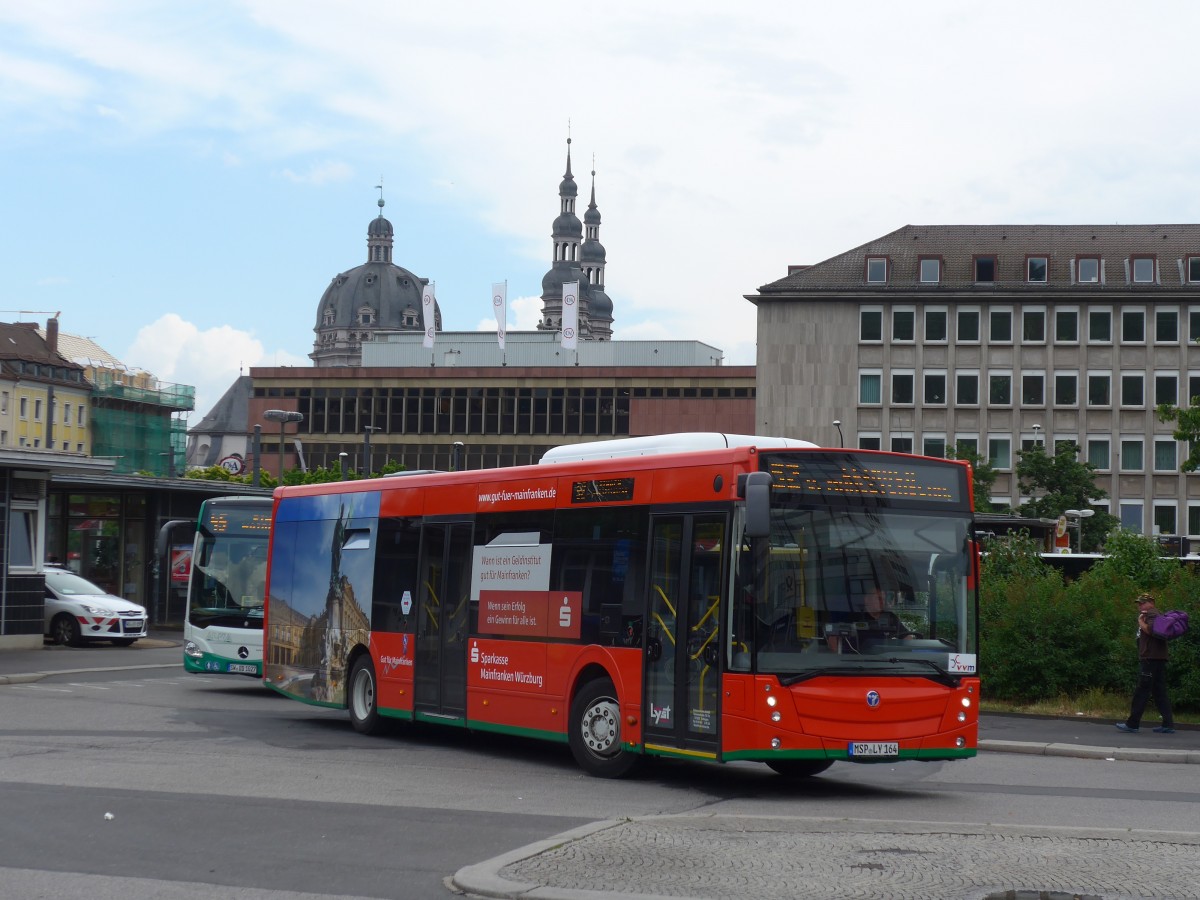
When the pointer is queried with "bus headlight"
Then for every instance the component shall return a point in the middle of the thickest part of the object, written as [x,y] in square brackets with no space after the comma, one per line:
[190,649]
[966,702]
[962,717]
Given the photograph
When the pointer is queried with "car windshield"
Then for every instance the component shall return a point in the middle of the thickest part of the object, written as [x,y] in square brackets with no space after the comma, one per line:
[68,584]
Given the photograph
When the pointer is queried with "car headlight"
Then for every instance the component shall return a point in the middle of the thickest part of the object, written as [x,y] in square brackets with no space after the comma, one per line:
[96,610]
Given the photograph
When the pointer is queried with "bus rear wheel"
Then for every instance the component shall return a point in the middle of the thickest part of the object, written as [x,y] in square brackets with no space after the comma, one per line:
[595,731]
[362,698]
[800,768]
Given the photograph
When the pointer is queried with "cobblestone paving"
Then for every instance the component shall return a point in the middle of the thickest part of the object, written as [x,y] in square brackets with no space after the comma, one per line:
[765,858]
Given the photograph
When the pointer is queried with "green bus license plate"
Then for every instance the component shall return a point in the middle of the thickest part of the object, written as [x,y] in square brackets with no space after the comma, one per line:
[243,668]
[874,748]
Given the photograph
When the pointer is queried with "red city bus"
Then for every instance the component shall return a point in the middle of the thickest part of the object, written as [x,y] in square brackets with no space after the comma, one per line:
[769,600]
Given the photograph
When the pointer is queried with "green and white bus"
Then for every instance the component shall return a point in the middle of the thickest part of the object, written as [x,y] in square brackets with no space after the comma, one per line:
[223,631]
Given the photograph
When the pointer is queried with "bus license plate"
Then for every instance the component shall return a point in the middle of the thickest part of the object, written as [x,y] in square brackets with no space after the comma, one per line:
[874,748]
[243,668]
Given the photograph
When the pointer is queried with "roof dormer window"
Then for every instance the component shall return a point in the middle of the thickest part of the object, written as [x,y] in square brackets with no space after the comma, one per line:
[1087,269]
[1143,269]
[930,270]
[877,270]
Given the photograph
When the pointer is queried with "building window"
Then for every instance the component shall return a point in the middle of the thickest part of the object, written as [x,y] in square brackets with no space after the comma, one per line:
[23,535]
[1087,270]
[1166,326]
[935,388]
[1133,326]
[935,326]
[1066,326]
[1100,326]
[1193,388]
[1033,326]
[1099,389]
[902,388]
[985,269]
[1099,453]
[966,442]
[24,407]
[1143,270]
[1193,514]
[966,388]
[1000,326]
[1036,268]
[877,270]
[1033,390]
[1164,517]
[904,325]
[968,326]
[1131,454]
[870,325]
[931,270]
[1066,389]
[1166,390]
[1000,452]
[933,445]
[1166,453]
[1132,515]
[1000,389]
[1133,389]
[79,415]
[870,388]
[901,444]
[870,442]
[1194,269]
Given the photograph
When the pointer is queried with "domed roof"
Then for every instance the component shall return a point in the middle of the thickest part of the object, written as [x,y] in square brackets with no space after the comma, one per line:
[387,290]
[600,306]
[380,227]
[592,251]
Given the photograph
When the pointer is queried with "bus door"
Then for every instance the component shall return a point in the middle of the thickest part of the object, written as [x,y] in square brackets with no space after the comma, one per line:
[440,670]
[682,641]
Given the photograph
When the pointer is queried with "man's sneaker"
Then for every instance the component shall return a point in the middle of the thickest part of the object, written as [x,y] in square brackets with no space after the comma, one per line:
[1165,729]
[1121,726]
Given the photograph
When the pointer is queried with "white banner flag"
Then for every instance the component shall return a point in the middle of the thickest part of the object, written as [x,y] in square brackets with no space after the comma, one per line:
[500,308]
[427,317]
[570,315]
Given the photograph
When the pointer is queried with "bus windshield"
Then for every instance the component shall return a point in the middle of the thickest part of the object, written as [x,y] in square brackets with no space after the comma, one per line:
[855,589]
[229,577]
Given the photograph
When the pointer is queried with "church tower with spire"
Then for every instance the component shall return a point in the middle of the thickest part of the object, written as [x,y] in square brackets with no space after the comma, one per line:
[577,258]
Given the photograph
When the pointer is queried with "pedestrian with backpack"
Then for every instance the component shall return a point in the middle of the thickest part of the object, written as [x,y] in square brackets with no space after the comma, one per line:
[1152,672]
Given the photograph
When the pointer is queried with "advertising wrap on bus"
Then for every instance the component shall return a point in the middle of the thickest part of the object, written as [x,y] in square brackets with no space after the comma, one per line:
[624,606]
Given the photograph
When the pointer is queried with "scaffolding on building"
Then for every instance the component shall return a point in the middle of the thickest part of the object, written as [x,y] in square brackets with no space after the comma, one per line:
[140,421]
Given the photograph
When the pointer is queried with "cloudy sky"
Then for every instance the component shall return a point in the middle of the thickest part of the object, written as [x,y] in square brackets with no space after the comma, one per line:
[182,180]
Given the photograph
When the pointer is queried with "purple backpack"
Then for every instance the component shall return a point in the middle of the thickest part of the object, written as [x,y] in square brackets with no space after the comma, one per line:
[1169,625]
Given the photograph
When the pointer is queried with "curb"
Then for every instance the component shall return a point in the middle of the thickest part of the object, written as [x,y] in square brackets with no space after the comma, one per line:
[1082,751]
[30,677]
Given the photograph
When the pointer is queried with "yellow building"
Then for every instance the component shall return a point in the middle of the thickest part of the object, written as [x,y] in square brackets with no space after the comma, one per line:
[45,400]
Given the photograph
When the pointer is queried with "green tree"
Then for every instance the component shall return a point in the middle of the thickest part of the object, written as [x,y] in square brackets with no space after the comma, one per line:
[1187,428]
[1061,482]
[983,474]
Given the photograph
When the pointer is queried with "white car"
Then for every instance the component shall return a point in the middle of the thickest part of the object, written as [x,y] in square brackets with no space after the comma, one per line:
[77,611]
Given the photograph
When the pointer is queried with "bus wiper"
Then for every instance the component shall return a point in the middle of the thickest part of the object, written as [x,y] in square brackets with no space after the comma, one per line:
[942,677]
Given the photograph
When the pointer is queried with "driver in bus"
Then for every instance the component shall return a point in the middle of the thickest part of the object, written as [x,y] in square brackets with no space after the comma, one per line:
[878,623]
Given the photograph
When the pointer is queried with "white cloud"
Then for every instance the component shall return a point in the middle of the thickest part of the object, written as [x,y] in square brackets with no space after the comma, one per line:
[177,351]
[320,173]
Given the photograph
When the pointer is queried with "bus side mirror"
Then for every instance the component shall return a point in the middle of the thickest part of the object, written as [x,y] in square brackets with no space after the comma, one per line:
[757,490]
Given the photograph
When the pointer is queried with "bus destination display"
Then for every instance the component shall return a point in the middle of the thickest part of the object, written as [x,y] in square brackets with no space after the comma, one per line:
[866,476]
[230,520]
[602,490]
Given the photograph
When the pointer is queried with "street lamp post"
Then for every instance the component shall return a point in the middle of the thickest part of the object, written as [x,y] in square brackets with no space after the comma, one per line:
[1078,515]
[367,429]
[343,460]
[282,416]
[1037,433]
[837,423]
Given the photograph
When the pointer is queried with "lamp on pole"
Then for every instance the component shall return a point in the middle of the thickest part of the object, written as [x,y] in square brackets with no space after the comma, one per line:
[343,459]
[282,416]
[1078,515]
[1037,433]
[366,467]
[837,423]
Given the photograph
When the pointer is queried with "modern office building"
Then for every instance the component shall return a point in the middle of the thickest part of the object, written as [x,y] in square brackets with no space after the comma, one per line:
[999,337]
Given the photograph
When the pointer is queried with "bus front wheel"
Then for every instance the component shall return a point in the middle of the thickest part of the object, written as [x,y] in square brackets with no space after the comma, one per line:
[595,731]
[363,703]
[800,768]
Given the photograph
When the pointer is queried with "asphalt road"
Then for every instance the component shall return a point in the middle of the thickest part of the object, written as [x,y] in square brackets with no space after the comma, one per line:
[148,782]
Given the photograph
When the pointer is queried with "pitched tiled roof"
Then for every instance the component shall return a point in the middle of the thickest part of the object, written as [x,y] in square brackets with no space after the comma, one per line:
[958,246]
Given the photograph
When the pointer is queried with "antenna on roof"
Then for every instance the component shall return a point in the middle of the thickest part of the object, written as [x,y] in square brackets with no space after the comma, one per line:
[379,187]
